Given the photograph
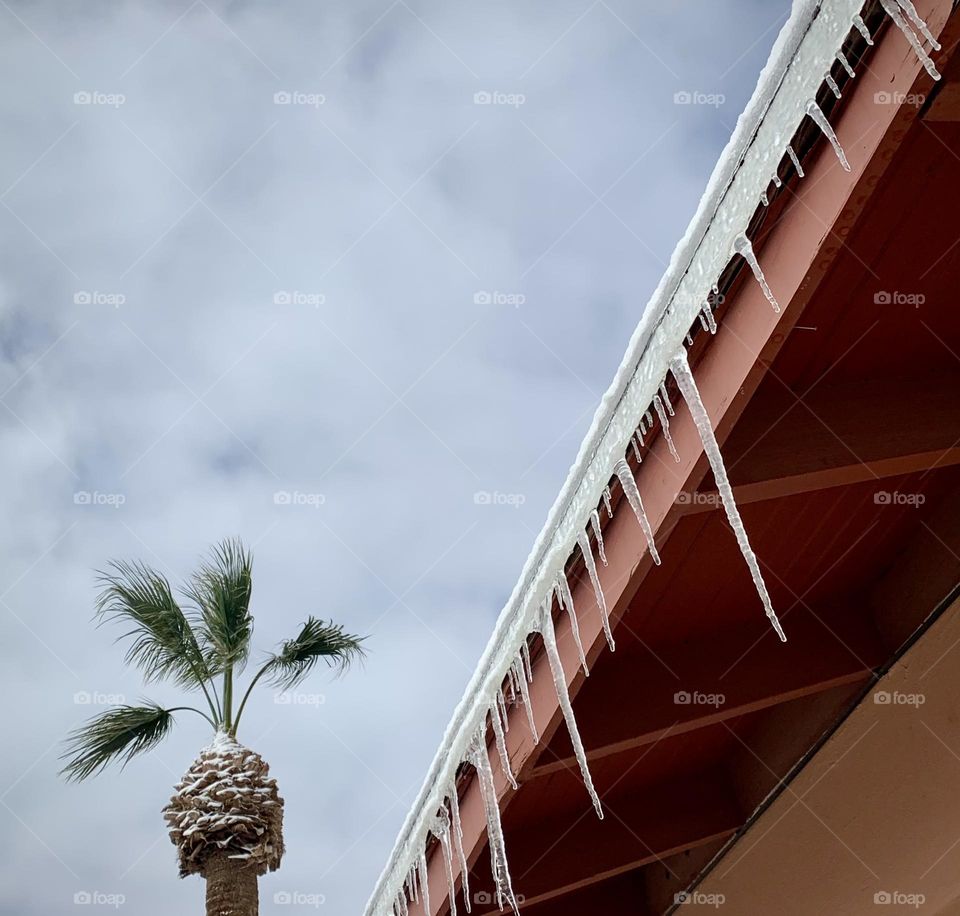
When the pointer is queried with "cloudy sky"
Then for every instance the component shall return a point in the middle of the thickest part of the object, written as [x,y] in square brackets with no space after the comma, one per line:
[314,274]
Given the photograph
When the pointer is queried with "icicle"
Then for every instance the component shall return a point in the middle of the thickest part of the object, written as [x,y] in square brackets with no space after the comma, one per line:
[742,247]
[584,543]
[442,832]
[917,20]
[458,838]
[893,11]
[703,322]
[862,29]
[598,534]
[497,724]
[402,901]
[832,83]
[711,322]
[795,160]
[846,64]
[688,387]
[766,202]
[642,428]
[623,472]
[665,426]
[776,180]
[527,662]
[498,852]
[689,340]
[636,450]
[502,706]
[639,437]
[666,397]
[424,886]
[820,119]
[648,417]
[514,686]
[525,697]
[415,882]
[607,501]
[563,695]
[565,600]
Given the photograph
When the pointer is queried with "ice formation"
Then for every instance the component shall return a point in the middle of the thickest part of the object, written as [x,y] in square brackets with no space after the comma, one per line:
[565,600]
[894,11]
[832,83]
[820,119]
[664,396]
[563,695]
[441,830]
[861,27]
[598,534]
[743,247]
[496,720]
[688,388]
[488,792]
[665,423]
[625,475]
[807,48]
[584,543]
[846,64]
[525,697]
[795,160]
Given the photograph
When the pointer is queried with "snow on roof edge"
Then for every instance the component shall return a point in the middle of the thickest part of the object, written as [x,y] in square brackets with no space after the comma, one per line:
[782,54]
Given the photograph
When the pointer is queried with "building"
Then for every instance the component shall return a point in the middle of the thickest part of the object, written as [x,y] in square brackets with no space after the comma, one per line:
[735,772]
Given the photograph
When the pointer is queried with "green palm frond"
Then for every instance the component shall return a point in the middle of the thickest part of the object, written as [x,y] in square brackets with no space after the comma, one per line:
[317,641]
[119,733]
[221,590]
[164,644]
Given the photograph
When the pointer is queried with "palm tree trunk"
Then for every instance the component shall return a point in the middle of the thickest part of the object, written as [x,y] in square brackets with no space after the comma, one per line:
[231,887]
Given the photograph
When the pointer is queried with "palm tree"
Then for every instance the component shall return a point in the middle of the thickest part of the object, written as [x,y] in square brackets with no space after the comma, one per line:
[225,817]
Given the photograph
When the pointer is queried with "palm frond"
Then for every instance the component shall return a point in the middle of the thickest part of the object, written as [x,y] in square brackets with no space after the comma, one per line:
[119,733]
[317,641]
[164,644]
[221,590]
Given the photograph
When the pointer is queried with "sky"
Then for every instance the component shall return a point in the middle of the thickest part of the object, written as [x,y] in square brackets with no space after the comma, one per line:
[346,280]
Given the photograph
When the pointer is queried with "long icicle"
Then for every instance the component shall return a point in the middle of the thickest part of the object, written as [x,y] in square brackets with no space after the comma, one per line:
[918,21]
[458,841]
[563,695]
[588,561]
[598,534]
[893,11]
[525,697]
[442,833]
[623,472]
[743,247]
[846,64]
[498,851]
[565,600]
[424,886]
[497,723]
[665,426]
[688,388]
[820,119]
